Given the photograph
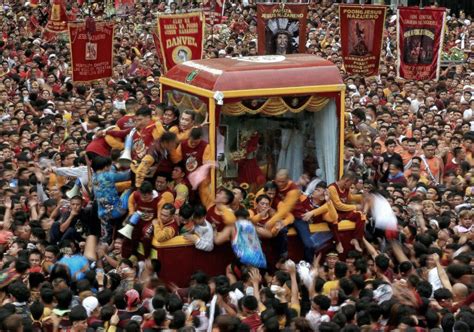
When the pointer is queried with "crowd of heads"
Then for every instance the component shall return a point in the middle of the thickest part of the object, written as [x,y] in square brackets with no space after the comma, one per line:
[411,141]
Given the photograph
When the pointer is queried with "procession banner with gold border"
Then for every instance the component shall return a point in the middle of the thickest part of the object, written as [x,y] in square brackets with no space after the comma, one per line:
[181,38]
[420,41]
[281,28]
[91,51]
[213,10]
[58,19]
[361,38]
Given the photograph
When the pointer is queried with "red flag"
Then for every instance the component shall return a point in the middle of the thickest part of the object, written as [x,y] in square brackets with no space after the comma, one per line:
[34,24]
[48,36]
[91,51]
[420,41]
[181,38]
[361,38]
[57,18]
[214,11]
[281,28]
[156,41]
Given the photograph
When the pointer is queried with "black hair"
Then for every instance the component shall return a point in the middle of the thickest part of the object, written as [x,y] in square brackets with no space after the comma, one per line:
[424,289]
[242,214]
[36,309]
[99,163]
[169,206]
[186,211]
[322,301]
[77,313]
[340,270]
[146,188]
[270,185]
[19,291]
[143,111]
[382,262]
[196,133]
[229,194]
[104,296]
[63,298]
[168,137]
[47,294]
[199,211]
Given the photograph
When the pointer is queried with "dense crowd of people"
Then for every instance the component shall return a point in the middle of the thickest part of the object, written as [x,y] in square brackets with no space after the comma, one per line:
[68,265]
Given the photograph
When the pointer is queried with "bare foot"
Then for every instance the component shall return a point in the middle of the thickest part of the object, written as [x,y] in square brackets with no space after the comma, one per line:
[356,245]
[339,248]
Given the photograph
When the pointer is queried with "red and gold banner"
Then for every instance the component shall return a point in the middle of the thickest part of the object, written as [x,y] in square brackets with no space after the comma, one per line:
[281,28]
[361,38]
[420,41]
[57,18]
[214,11]
[91,51]
[181,38]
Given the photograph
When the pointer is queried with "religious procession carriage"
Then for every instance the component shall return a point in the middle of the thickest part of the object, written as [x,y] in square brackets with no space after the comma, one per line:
[264,113]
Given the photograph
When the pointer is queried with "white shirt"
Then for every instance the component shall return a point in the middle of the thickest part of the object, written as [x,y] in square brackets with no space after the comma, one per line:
[206,236]
[315,319]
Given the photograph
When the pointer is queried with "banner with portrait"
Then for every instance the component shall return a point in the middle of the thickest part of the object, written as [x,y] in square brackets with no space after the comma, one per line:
[58,19]
[181,38]
[361,38]
[281,28]
[213,10]
[420,41]
[91,51]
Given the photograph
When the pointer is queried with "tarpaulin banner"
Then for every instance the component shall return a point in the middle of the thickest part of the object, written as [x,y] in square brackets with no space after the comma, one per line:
[361,38]
[91,51]
[181,38]
[57,18]
[214,11]
[420,41]
[281,28]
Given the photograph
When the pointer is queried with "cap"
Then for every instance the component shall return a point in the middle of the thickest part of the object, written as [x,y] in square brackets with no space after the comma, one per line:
[150,79]
[90,303]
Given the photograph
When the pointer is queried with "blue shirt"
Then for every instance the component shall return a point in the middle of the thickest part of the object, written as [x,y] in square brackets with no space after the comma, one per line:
[108,200]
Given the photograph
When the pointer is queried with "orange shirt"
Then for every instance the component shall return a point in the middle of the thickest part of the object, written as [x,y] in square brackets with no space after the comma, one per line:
[436,167]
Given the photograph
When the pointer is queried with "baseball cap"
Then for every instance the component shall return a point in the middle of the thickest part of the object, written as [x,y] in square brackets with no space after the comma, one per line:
[90,303]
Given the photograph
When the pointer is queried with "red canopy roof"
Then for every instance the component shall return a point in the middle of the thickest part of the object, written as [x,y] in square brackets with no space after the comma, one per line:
[258,72]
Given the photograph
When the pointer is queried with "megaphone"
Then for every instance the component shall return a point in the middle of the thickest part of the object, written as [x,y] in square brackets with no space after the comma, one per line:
[75,191]
[128,228]
[126,231]
[126,157]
